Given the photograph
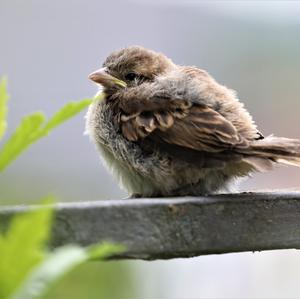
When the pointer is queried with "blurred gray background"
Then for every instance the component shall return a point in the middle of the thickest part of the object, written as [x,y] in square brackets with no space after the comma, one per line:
[48,48]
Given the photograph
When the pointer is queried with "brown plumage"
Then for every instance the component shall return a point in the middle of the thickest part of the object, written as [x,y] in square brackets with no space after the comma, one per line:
[173,130]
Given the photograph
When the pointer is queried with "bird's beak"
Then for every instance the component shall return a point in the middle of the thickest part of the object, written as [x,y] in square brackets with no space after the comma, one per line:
[102,77]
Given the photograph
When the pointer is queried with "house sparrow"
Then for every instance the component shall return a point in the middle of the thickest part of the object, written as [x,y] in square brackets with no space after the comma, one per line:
[170,130]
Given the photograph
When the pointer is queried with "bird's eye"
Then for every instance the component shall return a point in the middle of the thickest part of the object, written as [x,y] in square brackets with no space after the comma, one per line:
[131,76]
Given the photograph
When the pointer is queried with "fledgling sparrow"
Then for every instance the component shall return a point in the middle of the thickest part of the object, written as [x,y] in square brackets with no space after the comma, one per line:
[170,130]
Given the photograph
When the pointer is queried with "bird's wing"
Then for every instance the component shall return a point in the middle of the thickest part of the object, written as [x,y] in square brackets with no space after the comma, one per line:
[179,122]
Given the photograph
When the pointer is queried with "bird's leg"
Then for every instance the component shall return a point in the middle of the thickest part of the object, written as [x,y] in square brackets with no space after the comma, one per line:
[134,195]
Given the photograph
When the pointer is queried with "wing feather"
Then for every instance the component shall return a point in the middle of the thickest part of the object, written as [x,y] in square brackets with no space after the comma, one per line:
[194,126]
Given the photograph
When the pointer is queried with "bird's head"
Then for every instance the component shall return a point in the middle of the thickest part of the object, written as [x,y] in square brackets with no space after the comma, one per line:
[130,67]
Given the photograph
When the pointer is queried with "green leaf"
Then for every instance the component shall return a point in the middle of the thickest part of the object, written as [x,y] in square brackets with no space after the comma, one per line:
[105,249]
[3,106]
[68,111]
[22,247]
[24,135]
[99,96]
[57,264]
[33,127]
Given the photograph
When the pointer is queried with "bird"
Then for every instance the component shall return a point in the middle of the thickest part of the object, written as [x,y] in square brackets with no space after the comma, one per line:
[169,130]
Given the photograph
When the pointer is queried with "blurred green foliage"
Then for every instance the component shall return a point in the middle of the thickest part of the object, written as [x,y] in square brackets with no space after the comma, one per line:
[22,248]
[32,127]
[27,269]
[97,280]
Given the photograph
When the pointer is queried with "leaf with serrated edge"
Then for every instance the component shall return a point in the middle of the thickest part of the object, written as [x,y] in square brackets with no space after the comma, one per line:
[21,138]
[65,113]
[33,127]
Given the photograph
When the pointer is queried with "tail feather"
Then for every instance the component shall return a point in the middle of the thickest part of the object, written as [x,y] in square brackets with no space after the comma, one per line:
[290,161]
[274,149]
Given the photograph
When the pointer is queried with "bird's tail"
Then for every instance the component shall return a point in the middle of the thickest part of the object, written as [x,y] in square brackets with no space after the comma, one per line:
[264,152]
